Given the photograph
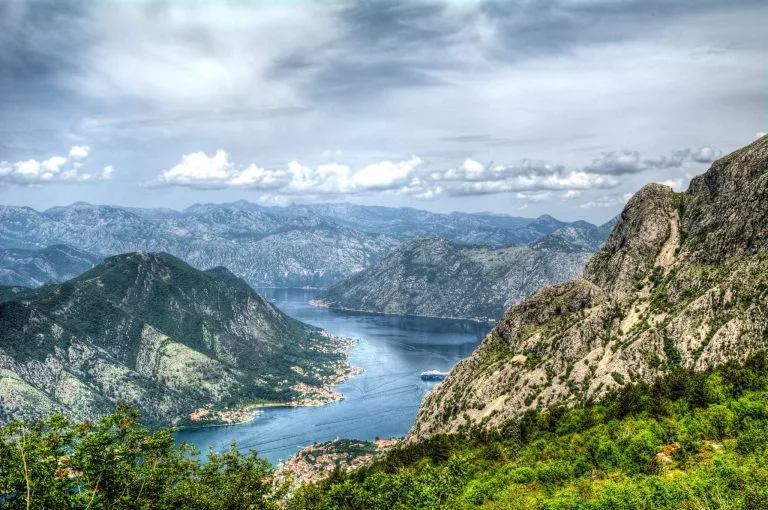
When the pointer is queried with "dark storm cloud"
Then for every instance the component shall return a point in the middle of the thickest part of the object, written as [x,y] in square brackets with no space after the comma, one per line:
[388,45]
[533,29]
[631,162]
[40,39]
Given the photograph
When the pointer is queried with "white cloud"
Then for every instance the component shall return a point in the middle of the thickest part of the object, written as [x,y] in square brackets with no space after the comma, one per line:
[410,177]
[417,178]
[611,201]
[534,197]
[198,170]
[79,152]
[386,174]
[54,163]
[572,194]
[760,134]
[675,184]
[54,169]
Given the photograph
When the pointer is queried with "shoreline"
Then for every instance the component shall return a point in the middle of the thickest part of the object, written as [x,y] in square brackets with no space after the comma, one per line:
[319,303]
[307,395]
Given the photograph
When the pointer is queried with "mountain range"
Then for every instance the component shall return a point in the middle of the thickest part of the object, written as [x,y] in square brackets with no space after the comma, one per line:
[293,246]
[434,277]
[682,281]
[150,330]
[32,268]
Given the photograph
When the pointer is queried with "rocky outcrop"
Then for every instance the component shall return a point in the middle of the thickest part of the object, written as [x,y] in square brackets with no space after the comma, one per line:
[630,252]
[434,277]
[150,330]
[681,281]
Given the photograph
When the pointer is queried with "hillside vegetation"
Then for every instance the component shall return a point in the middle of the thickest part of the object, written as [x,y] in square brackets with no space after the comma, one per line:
[690,440]
[148,329]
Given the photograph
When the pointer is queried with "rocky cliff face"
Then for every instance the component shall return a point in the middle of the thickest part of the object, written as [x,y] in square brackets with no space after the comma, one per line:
[32,268]
[434,277]
[682,280]
[150,330]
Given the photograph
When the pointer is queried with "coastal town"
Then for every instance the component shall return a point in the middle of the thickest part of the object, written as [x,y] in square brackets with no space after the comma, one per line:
[338,372]
[317,461]
[305,394]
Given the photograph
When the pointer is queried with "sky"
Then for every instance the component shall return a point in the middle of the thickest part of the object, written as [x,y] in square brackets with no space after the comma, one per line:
[564,107]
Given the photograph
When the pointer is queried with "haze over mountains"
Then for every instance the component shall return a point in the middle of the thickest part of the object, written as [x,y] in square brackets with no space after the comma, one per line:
[32,268]
[294,246]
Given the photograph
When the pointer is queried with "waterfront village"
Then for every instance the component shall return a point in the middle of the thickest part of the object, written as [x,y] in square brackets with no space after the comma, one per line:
[306,395]
[317,461]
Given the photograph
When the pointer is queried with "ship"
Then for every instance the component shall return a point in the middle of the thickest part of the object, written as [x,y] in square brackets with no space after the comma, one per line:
[433,375]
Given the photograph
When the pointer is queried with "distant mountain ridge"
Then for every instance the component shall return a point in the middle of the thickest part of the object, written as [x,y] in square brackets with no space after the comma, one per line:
[31,268]
[434,277]
[293,246]
[148,329]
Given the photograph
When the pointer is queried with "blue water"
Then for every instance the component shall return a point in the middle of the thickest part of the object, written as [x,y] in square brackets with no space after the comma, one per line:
[381,402]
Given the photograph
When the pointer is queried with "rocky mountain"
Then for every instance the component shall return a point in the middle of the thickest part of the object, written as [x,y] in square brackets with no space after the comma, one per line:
[578,237]
[263,248]
[148,329]
[435,277]
[32,268]
[406,223]
[681,281]
[293,246]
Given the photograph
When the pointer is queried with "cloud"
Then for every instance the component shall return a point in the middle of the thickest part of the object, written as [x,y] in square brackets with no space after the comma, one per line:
[608,201]
[675,184]
[198,170]
[54,169]
[447,80]
[412,177]
[418,178]
[79,152]
[631,162]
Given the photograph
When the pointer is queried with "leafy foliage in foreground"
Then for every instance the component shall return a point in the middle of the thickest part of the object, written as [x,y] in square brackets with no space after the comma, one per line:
[688,441]
[118,464]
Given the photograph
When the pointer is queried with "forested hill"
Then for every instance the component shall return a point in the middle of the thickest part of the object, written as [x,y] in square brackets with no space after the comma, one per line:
[150,330]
